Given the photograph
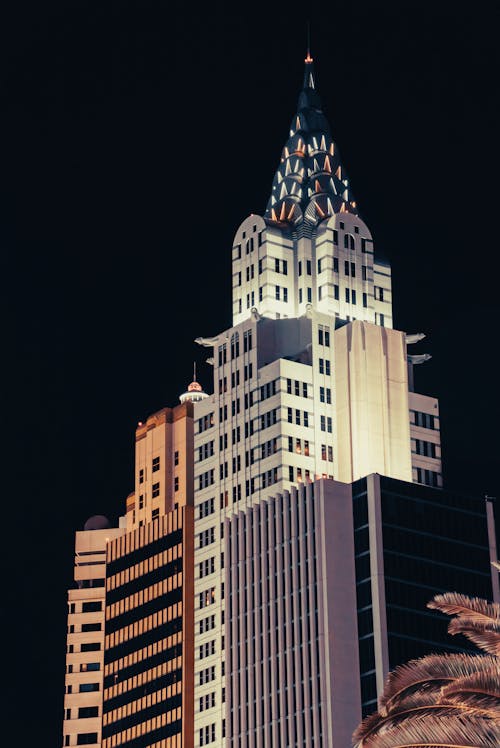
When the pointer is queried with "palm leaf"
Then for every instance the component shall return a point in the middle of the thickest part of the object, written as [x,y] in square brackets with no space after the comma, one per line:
[484,634]
[432,671]
[437,732]
[409,712]
[478,691]
[474,608]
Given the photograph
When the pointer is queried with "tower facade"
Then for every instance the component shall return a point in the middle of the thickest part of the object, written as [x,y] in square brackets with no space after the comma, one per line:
[310,383]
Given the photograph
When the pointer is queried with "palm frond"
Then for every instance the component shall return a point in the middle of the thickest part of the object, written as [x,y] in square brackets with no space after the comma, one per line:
[437,732]
[454,603]
[405,712]
[484,634]
[431,671]
[478,691]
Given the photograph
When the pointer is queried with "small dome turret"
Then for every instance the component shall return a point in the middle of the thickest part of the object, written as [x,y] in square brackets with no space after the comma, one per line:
[194,391]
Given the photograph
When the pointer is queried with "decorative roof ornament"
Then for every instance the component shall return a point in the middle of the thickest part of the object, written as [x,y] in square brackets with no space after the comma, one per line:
[310,183]
[194,391]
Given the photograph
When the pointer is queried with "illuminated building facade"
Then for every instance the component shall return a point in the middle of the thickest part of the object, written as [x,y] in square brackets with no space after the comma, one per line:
[285,530]
[129,678]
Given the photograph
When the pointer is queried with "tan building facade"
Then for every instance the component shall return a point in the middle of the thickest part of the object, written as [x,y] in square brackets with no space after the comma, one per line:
[129,669]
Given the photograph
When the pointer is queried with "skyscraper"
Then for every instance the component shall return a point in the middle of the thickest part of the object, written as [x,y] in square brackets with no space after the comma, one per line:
[284,530]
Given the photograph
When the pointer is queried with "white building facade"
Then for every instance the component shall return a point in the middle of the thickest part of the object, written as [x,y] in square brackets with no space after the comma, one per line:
[310,382]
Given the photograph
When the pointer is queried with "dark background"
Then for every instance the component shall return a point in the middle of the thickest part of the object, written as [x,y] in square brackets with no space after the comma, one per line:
[136,138]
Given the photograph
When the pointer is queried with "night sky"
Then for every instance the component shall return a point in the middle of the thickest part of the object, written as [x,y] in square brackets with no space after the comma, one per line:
[137,137]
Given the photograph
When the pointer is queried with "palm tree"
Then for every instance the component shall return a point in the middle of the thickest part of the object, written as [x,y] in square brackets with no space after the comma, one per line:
[444,701]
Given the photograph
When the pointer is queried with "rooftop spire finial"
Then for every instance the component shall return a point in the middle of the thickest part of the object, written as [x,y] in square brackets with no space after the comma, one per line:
[194,371]
[308,58]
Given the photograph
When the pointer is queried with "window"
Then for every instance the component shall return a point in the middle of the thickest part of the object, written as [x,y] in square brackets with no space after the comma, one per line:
[207,734]
[206,508]
[428,449]
[156,464]
[261,293]
[247,341]
[176,458]
[86,667]
[324,366]
[300,296]
[309,295]
[91,607]
[336,292]
[346,267]
[86,738]
[141,475]
[207,567]
[207,701]
[308,267]
[379,293]
[207,675]
[347,296]
[207,537]
[300,268]
[424,420]
[207,624]
[248,372]
[206,479]
[353,296]
[319,267]
[88,711]
[156,490]
[205,423]
[335,264]
[270,418]
[86,687]
[306,419]
[365,300]
[91,647]
[325,395]
[155,514]
[91,627]
[207,597]
[363,272]
[277,293]
[335,237]
[141,501]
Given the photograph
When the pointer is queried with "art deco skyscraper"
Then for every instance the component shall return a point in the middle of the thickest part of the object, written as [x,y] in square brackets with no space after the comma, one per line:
[286,530]
[313,415]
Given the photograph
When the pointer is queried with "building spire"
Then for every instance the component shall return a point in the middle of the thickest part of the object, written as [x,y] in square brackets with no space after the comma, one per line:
[309,69]
[310,183]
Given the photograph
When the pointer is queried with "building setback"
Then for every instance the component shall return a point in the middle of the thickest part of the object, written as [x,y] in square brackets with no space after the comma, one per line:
[286,531]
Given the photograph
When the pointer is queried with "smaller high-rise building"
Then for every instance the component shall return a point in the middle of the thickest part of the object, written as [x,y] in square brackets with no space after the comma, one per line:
[130,671]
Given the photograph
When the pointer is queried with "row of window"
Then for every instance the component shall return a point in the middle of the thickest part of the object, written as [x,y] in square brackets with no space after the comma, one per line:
[301,417]
[88,607]
[207,734]
[83,738]
[206,567]
[83,712]
[207,649]
[294,387]
[235,346]
[427,449]
[424,420]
